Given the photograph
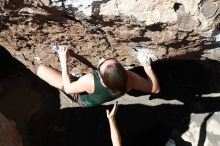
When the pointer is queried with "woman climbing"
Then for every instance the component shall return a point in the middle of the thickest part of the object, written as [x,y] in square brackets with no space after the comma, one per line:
[107,83]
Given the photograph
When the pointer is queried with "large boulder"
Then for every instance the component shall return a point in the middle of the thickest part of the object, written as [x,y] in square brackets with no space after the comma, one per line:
[171,29]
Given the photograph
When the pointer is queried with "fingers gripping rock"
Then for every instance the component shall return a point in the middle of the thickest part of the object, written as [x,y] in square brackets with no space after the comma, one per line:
[144,52]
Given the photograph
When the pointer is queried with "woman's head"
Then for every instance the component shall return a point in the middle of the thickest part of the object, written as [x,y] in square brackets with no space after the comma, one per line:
[113,75]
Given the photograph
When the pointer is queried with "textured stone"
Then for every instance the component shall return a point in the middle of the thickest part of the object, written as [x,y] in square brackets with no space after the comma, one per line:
[213,54]
[101,28]
[209,8]
[46,2]
[9,135]
[187,23]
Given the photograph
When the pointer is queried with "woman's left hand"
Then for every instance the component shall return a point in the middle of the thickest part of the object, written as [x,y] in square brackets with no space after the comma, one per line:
[62,54]
[144,59]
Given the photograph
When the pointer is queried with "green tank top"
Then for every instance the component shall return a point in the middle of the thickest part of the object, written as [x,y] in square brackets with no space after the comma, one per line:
[101,94]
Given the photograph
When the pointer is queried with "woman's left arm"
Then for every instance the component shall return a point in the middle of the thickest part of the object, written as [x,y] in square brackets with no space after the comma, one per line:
[152,79]
[139,83]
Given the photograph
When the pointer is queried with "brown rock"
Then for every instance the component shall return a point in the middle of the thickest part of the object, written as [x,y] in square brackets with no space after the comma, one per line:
[9,135]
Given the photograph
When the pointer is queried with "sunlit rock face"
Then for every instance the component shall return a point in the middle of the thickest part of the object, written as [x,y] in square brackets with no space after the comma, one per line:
[180,29]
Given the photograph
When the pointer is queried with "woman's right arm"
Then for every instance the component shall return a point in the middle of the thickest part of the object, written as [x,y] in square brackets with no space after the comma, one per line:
[84,83]
[151,84]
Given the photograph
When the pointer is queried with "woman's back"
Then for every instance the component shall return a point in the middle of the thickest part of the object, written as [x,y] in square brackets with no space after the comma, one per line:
[100,95]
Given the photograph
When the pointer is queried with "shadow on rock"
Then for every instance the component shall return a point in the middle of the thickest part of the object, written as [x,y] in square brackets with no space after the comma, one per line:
[184,80]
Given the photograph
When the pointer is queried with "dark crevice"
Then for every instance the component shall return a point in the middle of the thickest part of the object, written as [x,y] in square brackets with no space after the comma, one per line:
[177,6]
[155,27]
[140,39]
[179,44]
[179,9]
[137,39]
[218,26]
[14,4]
[202,134]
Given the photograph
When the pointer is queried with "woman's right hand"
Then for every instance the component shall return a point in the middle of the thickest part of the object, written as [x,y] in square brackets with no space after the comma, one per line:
[62,52]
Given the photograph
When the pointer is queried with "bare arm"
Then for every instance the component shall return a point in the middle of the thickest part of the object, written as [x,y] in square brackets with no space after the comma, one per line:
[147,85]
[115,134]
[84,83]
[65,77]
[153,81]
[139,83]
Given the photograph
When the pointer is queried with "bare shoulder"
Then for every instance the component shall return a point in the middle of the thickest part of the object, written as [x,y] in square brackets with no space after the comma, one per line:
[88,81]
[88,76]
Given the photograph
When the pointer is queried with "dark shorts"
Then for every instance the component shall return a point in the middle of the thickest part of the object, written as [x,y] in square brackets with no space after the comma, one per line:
[76,98]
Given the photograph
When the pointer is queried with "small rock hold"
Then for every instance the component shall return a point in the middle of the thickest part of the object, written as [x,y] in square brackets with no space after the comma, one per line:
[187,23]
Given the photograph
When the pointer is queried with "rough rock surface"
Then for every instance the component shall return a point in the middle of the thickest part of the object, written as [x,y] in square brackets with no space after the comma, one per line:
[171,29]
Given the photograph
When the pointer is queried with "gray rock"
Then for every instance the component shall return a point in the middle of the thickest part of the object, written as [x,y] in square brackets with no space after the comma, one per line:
[209,8]
[187,23]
